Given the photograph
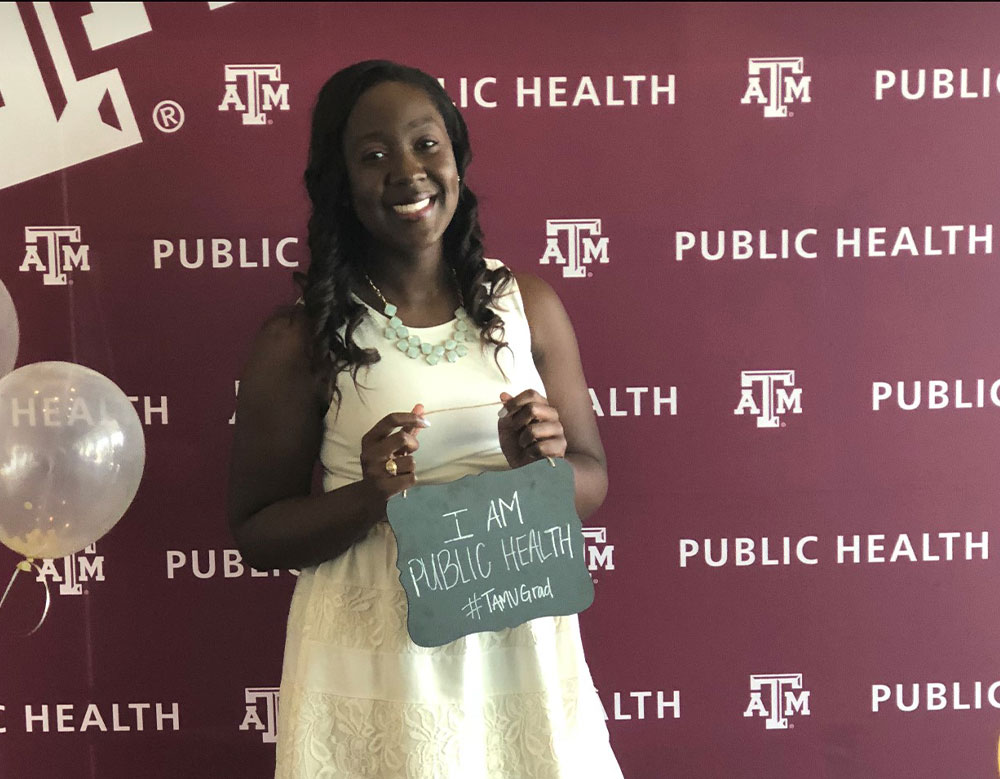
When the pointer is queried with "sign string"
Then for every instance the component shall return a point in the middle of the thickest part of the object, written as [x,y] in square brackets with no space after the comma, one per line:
[463,408]
[466,408]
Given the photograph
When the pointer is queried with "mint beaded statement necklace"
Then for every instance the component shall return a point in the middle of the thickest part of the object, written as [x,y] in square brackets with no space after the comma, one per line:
[412,345]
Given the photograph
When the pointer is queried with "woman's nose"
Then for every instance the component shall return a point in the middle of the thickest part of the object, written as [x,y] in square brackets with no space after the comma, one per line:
[407,168]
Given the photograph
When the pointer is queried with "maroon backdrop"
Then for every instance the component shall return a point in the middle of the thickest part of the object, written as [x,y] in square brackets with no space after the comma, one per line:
[780,259]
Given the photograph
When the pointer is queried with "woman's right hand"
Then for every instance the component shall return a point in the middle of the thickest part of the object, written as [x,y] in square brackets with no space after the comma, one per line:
[381,445]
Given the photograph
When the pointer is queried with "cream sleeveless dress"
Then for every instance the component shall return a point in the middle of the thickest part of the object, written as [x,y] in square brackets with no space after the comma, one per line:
[358,697]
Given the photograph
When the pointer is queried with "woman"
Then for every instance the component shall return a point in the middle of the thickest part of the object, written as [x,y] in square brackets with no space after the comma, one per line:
[407,333]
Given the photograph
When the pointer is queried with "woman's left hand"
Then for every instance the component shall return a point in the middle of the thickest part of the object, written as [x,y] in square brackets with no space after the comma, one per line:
[530,429]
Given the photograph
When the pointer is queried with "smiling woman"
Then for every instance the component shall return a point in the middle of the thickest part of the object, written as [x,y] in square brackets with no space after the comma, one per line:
[394,238]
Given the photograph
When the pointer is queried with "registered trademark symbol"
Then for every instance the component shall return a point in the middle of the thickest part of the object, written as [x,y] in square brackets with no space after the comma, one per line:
[270,121]
[784,424]
[168,116]
[791,113]
[86,592]
[791,726]
[590,274]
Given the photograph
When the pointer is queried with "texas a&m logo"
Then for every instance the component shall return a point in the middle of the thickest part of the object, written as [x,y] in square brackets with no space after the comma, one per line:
[777,697]
[262,712]
[575,243]
[776,395]
[785,84]
[58,108]
[254,90]
[73,571]
[54,251]
[600,554]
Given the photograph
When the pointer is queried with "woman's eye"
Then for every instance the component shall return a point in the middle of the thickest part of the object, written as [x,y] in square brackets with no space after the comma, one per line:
[373,156]
[427,143]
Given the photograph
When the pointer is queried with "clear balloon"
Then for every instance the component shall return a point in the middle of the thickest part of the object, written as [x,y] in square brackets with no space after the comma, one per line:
[10,334]
[72,453]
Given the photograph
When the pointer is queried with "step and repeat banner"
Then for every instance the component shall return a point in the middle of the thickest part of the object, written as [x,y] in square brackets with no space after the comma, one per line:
[775,228]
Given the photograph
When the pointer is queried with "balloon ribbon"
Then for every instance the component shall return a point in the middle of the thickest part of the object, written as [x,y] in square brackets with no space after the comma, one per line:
[26,565]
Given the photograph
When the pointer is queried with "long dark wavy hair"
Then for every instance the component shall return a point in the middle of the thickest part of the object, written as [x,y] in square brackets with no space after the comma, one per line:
[336,244]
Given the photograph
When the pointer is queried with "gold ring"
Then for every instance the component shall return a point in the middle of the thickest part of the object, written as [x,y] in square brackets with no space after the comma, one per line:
[390,467]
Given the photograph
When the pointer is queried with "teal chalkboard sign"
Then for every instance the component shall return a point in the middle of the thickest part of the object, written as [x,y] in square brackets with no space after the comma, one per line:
[490,551]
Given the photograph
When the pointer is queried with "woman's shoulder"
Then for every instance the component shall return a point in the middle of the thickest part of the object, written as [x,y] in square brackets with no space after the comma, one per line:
[284,336]
[280,364]
[534,292]
[532,298]
[525,283]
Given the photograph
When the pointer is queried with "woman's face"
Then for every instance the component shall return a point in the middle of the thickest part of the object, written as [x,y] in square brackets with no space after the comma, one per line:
[401,168]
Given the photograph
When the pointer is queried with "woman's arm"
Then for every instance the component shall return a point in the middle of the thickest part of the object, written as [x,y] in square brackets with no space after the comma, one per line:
[563,423]
[274,519]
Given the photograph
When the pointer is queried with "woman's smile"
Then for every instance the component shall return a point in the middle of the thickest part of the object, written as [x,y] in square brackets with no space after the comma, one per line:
[414,211]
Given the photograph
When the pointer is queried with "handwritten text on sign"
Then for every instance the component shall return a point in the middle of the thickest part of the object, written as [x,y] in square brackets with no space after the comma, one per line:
[489,552]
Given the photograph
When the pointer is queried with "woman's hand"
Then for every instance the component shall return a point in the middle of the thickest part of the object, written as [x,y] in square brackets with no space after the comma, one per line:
[381,446]
[529,429]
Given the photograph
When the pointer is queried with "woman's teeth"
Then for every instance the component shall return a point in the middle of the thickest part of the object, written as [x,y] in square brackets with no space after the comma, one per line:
[412,208]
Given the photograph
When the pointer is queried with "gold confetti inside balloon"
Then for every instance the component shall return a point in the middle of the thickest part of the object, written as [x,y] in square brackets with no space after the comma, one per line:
[72,453]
